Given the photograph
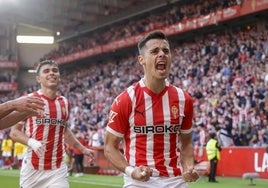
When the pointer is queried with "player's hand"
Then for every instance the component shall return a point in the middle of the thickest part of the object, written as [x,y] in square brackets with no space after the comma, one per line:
[89,153]
[29,104]
[142,173]
[37,146]
[190,175]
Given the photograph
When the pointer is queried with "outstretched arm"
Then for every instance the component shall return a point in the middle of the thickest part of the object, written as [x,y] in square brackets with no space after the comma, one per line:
[71,140]
[13,111]
[12,118]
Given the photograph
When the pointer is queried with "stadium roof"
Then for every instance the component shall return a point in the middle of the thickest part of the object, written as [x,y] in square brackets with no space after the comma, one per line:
[71,17]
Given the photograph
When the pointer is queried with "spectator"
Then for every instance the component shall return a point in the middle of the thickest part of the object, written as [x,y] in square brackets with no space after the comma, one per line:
[6,148]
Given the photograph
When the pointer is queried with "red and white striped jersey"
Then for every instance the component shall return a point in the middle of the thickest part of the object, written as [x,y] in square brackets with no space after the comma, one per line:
[50,130]
[151,125]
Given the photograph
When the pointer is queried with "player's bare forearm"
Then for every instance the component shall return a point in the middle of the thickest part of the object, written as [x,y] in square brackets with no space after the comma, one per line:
[187,158]
[112,152]
[5,109]
[187,153]
[12,119]
[70,139]
[17,135]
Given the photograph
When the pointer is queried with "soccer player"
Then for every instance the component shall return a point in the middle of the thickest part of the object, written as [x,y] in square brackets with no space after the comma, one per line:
[45,135]
[154,120]
[13,111]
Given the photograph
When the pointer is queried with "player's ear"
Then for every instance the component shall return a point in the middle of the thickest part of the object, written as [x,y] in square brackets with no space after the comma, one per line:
[37,79]
[141,60]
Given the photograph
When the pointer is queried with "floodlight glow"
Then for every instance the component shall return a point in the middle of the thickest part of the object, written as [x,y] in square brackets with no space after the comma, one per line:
[35,39]
[31,71]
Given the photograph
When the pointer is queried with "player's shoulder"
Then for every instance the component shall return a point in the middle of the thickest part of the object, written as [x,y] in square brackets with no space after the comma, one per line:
[126,93]
[122,98]
[62,98]
[183,91]
[125,97]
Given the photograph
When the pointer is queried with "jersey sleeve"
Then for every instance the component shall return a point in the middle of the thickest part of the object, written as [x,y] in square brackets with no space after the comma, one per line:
[186,126]
[118,122]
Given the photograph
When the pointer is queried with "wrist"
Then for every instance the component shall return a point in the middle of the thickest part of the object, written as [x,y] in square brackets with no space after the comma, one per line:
[129,170]
[34,144]
[30,141]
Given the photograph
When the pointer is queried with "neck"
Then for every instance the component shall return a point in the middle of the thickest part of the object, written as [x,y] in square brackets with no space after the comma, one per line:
[50,93]
[156,86]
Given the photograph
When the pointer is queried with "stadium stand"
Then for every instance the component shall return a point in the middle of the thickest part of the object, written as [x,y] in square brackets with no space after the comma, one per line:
[224,69]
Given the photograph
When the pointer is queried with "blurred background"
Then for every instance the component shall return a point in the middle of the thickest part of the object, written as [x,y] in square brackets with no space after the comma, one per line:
[220,50]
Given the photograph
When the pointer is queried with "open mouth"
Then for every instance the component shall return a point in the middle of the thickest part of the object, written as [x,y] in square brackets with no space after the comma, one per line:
[161,66]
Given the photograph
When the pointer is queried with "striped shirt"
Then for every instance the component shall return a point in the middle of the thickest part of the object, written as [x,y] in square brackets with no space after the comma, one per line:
[151,125]
[48,129]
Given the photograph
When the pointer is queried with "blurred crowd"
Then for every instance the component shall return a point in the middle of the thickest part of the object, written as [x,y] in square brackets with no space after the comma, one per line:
[226,73]
[156,19]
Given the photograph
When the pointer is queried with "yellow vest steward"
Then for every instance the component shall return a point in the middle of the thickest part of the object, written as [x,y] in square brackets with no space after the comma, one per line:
[7,145]
[212,150]
[19,149]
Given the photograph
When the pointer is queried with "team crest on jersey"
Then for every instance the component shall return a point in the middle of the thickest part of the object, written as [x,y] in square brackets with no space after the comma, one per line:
[112,116]
[175,111]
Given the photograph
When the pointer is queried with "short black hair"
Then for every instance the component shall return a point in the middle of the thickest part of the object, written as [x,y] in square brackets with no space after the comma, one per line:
[157,34]
[45,62]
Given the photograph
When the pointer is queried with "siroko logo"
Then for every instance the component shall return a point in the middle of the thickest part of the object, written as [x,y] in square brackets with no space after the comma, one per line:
[51,121]
[156,129]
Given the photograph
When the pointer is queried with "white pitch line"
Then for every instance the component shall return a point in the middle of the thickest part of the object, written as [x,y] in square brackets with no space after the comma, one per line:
[94,183]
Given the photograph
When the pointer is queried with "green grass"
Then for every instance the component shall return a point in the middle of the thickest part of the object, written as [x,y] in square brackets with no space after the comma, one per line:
[224,182]
[10,179]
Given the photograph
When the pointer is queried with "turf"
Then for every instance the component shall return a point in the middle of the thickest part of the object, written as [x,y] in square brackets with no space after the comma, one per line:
[224,182]
[10,179]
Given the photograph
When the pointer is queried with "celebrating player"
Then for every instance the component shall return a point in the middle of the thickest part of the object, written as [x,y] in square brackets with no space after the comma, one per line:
[44,163]
[154,120]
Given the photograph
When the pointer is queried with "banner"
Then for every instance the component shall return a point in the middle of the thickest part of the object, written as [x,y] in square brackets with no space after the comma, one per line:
[5,64]
[8,86]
